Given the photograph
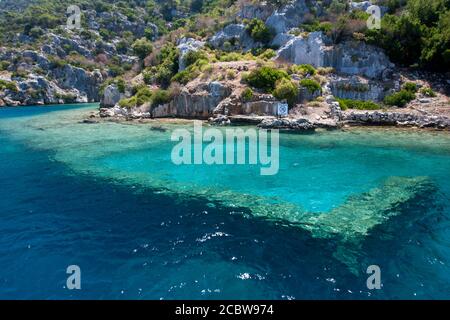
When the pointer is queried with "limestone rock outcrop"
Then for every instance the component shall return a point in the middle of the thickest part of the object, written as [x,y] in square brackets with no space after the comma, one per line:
[111,96]
[195,103]
[233,37]
[186,45]
[60,84]
[288,16]
[287,124]
[314,49]
[359,88]
[350,57]
[407,119]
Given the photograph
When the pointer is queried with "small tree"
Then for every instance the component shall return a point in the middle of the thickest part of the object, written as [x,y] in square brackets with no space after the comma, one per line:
[142,48]
[286,90]
[265,78]
[400,99]
[259,31]
[247,95]
[311,85]
[193,56]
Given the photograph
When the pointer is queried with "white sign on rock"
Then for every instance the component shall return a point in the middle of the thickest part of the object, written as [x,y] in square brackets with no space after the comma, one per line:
[283,110]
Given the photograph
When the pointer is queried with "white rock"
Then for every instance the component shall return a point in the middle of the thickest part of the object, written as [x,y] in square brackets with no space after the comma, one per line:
[186,45]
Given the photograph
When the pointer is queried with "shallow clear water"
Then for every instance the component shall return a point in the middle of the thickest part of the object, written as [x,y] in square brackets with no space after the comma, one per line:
[107,197]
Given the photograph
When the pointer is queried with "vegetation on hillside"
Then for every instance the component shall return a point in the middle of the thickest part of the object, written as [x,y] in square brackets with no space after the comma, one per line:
[414,33]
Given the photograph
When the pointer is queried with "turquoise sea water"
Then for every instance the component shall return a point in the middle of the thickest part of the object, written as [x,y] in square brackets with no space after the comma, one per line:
[108,198]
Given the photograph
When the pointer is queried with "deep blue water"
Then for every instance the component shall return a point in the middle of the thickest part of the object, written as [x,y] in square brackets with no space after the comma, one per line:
[137,242]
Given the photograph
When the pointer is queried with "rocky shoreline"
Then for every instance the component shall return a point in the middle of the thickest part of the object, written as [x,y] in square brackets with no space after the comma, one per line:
[344,120]
[239,73]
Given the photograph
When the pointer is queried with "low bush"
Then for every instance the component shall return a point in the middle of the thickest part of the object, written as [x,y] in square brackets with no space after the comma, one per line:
[303,69]
[410,86]
[311,85]
[185,76]
[325,71]
[143,95]
[286,90]
[193,56]
[142,48]
[231,74]
[8,85]
[166,68]
[265,78]
[267,54]
[128,102]
[247,95]
[4,65]
[400,99]
[357,104]
[259,31]
[160,97]
[317,26]
[233,56]
[426,91]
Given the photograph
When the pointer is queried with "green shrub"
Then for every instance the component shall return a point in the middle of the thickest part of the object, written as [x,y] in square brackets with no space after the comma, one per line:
[163,75]
[128,103]
[410,86]
[303,69]
[8,85]
[259,31]
[120,84]
[231,74]
[56,62]
[115,70]
[400,99]
[185,76]
[168,66]
[4,65]
[286,90]
[426,91]
[160,97]
[148,76]
[357,104]
[325,71]
[36,32]
[265,78]
[142,48]
[143,95]
[247,95]
[317,26]
[311,85]
[193,56]
[267,54]
[233,56]
[417,36]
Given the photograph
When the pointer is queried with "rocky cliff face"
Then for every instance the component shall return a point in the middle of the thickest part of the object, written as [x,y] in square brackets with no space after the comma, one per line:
[354,58]
[288,16]
[41,81]
[233,37]
[360,88]
[197,103]
[111,96]
[314,49]
[61,65]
